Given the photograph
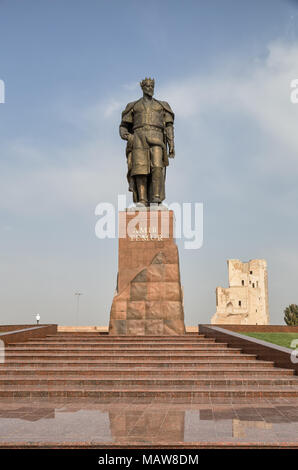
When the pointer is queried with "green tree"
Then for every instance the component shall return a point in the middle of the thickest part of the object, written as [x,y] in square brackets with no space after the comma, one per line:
[291,315]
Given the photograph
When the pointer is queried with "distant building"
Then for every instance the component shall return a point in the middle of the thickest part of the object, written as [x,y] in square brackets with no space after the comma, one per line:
[245,301]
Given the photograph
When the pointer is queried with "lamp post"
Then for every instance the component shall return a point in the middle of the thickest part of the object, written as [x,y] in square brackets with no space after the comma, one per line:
[78,294]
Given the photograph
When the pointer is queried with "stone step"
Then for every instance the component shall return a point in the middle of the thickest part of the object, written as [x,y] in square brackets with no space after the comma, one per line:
[130,357]
[159,364]
[146,372]
[99,344]
[155,391]
[113,350]
[119,340]
[96,366]
[125,337]
[122,341]
[13,352]
[117,382]
[120,344]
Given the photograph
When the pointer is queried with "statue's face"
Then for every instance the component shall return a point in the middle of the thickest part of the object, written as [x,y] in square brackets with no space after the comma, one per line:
[148,88]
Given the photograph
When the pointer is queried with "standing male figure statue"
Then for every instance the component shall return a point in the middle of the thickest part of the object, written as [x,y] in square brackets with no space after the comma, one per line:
[147,126]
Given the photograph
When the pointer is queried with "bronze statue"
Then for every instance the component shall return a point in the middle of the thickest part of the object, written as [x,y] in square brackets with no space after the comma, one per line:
[147,125]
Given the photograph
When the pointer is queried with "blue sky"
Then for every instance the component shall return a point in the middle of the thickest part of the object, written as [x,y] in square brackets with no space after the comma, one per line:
[69,68]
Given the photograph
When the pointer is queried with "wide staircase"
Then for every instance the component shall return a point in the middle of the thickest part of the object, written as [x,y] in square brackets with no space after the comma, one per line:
[102,366]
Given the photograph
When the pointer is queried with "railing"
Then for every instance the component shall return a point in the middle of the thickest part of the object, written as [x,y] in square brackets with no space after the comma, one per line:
[17,333]
[281,356]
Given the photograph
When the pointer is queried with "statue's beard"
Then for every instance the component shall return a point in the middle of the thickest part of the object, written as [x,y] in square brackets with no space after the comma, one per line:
[149,93]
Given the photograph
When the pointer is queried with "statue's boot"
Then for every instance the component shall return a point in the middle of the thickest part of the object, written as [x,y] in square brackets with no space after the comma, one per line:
[156,185]
[141,181]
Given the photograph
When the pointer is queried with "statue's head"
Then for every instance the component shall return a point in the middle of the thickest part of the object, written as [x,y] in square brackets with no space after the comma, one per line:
[147,86]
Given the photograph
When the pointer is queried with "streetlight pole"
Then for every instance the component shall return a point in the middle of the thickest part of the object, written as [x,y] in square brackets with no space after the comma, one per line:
[78,294]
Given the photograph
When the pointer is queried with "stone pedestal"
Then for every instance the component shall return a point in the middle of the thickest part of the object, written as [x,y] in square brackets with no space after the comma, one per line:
[148,299]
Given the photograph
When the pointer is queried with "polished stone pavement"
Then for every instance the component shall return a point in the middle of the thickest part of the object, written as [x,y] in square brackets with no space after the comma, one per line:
[146,422]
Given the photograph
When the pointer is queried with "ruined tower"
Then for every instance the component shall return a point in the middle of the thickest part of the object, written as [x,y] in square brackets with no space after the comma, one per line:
[245,301]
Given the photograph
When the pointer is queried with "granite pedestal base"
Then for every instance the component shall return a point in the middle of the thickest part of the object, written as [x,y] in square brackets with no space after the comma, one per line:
[148,299]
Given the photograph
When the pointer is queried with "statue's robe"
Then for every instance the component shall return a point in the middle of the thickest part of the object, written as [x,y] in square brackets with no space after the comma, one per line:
[147,122]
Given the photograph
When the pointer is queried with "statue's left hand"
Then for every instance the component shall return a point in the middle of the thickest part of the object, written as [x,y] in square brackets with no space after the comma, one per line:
[171,151]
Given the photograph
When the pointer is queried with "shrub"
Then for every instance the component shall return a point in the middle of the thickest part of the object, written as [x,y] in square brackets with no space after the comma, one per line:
[291,315]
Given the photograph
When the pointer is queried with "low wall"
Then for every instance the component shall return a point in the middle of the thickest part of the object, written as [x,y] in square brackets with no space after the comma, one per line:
[83,329]
[191,329]
[261,328]
[18,327]
[104,329]
[23,334]
[263,350]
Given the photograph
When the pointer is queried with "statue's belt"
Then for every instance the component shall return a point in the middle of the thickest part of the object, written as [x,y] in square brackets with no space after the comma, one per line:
[148,126]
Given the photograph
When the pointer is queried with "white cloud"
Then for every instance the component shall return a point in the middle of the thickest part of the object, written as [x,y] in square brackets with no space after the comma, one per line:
[132,86]
[60,179]
[112,107]
[236,147]
[234,92]
[259,90]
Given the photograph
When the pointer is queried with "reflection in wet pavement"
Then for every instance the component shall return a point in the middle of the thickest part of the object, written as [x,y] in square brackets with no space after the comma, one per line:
[148,422]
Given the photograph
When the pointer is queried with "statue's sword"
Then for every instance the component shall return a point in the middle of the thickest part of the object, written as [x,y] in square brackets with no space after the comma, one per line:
[165,151]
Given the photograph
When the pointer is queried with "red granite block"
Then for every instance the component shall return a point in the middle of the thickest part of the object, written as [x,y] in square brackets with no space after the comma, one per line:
[150,267]
[136,310]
